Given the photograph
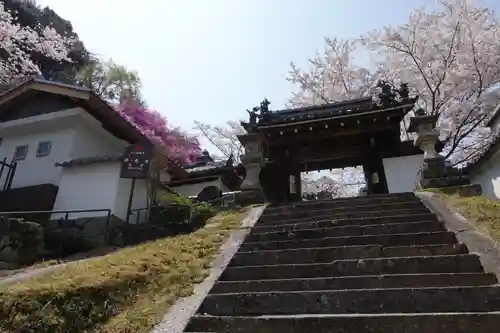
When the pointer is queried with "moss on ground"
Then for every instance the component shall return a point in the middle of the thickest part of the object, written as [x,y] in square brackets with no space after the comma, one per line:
[479,210]
[126,291]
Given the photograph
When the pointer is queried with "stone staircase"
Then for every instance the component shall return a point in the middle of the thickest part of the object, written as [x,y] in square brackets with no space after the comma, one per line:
[380,264]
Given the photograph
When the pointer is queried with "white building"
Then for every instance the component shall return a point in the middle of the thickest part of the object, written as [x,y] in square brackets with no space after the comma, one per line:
[67,138]
[485,171]
[205,177]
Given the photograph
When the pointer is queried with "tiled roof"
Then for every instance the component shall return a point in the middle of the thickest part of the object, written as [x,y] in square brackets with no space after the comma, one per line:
[492,148]
[173,167]
[90,160]
[209,166]
[213,166]
[348,107]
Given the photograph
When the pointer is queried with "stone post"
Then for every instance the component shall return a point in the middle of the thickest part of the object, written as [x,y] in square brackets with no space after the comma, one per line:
[436,171]
[253,161]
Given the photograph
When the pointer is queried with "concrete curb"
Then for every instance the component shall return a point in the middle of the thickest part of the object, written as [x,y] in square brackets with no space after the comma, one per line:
[29,273]
[179,314]
[486,248]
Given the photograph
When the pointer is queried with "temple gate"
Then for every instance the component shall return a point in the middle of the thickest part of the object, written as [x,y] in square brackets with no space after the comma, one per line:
[279,145]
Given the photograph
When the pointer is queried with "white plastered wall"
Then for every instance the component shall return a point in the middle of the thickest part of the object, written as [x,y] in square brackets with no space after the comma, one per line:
[98,186]
[402,172]
[488,176]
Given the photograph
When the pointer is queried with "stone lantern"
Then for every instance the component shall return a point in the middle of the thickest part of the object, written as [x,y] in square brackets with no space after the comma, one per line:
[253,161]
[427,135]
[436,171]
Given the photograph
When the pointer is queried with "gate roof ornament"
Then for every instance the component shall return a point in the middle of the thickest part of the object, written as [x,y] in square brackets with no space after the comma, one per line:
[388,98]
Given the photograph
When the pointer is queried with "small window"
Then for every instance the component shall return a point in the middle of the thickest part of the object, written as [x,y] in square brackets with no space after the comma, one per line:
[20,153]
[43,149]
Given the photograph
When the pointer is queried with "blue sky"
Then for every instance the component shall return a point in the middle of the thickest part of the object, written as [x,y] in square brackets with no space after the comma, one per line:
[210,60]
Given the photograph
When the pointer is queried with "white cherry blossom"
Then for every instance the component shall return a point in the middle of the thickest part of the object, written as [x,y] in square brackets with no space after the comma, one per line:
[449,57]
[18,44]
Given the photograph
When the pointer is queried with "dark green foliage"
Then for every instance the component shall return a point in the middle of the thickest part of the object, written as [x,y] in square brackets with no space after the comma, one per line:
[181,214]
[182,218]
[200,214]
[26,238]
[175,217]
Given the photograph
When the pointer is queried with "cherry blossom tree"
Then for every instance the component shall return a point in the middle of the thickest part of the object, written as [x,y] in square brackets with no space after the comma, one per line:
[319,187]
[450,58]
[173,143]
[122,87]
[28,13]
[172,146]
[343,182]
[21,45]
[224,138]
[333,76]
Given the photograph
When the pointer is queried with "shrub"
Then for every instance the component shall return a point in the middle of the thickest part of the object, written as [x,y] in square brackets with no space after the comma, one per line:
[24,238]
[200,214]
[182,214]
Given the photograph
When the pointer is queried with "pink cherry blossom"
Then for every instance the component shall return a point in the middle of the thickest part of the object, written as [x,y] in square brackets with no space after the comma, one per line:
[175,144]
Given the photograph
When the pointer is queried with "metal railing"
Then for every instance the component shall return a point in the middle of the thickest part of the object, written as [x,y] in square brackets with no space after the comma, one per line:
[64,224]
[137,212]
[11,171]
[142,215]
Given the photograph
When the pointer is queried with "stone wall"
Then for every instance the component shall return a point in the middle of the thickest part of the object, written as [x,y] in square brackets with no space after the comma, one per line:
[82,234]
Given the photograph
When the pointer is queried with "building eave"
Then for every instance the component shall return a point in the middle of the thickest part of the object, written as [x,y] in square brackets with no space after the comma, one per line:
[111,120]
[228,176]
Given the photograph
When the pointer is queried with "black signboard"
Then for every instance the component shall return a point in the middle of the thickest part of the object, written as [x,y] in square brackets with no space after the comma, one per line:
[136,162]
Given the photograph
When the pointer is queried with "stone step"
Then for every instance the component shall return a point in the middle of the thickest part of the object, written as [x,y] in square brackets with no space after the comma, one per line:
[362,301]
[346,215]
[356,282]
[345,231]
[329,254]
[392,323]
[463,263]
[422,238]
[338,203]
[416,205]
[393,196]
[297,225]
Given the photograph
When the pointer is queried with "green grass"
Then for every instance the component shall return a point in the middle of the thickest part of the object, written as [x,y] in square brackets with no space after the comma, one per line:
[482,212]
[126,291]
